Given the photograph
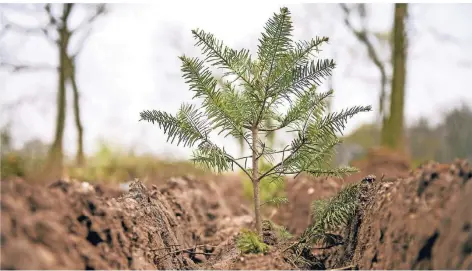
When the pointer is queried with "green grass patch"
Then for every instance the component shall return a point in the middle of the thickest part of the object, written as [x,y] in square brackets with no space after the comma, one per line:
[109,164]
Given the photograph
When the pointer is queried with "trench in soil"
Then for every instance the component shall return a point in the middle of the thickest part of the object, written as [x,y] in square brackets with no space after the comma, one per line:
[409,220]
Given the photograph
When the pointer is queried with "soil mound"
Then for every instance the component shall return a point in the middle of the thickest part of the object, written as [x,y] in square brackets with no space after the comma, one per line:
[269,261]
[302,191]
[200,206]
[419,222]
[231,188]
[108,191]
[381,161]
[70,225]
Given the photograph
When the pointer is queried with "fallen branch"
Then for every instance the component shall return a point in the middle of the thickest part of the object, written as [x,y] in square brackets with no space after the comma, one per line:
[161,248]
[292,245]
[188,250]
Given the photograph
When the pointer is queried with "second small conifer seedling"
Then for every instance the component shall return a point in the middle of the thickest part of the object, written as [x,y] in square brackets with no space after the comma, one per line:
[275,91]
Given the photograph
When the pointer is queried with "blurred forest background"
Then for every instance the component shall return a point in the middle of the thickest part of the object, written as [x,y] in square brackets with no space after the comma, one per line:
[74,78]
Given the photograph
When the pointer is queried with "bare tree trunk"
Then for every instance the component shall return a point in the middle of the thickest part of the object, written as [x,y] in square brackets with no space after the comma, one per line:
[54,166]
[55,163]
[80,158]
[393,135]
[255,182]
[58,32]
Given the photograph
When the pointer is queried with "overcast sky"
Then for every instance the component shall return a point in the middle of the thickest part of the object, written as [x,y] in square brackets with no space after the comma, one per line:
[130,63]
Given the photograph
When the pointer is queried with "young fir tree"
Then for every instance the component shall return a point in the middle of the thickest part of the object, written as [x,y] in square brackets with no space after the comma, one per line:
[251,101]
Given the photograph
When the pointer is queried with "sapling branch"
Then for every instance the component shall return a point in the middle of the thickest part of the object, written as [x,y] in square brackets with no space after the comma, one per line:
[281,162]
[229,157]
[240,166]
[266,153]
[212,51]
[300,56]
[193,70]
[278,41]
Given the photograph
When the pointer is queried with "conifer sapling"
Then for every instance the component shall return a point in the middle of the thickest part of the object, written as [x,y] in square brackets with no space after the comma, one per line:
[275,91]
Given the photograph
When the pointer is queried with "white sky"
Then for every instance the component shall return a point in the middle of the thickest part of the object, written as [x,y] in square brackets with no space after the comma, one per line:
[130,64]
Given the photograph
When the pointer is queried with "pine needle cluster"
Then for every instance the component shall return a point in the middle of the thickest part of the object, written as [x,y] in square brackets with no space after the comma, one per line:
[281,232]
[332,214]
[250,242]
[329,215]
[276,90]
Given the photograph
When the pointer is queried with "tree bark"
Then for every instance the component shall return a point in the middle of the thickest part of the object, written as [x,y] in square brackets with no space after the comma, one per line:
[80,158]
[55,164]
[393,135]
[55,156]
[255,182]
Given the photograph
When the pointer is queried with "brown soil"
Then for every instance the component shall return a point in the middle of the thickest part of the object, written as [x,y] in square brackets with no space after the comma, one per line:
[419,222]
[107,191]
[381,162]
[231,189]
[270,261]
[69,226]
[302,191]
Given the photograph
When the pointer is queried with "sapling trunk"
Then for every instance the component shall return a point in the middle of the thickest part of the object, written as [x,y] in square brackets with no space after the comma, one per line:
[255,182]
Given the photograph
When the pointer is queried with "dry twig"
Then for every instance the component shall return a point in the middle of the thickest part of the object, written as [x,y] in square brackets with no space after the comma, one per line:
[349,267]
[188,250]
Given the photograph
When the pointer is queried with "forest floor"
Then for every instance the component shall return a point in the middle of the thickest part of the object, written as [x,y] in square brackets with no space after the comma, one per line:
[412,219]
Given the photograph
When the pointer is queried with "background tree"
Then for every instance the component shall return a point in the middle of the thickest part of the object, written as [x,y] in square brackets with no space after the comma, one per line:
[283,75]
[392,124]
[423,140]
[457,134]
[392,134]
[369,39]
[59,32]
[375,42]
